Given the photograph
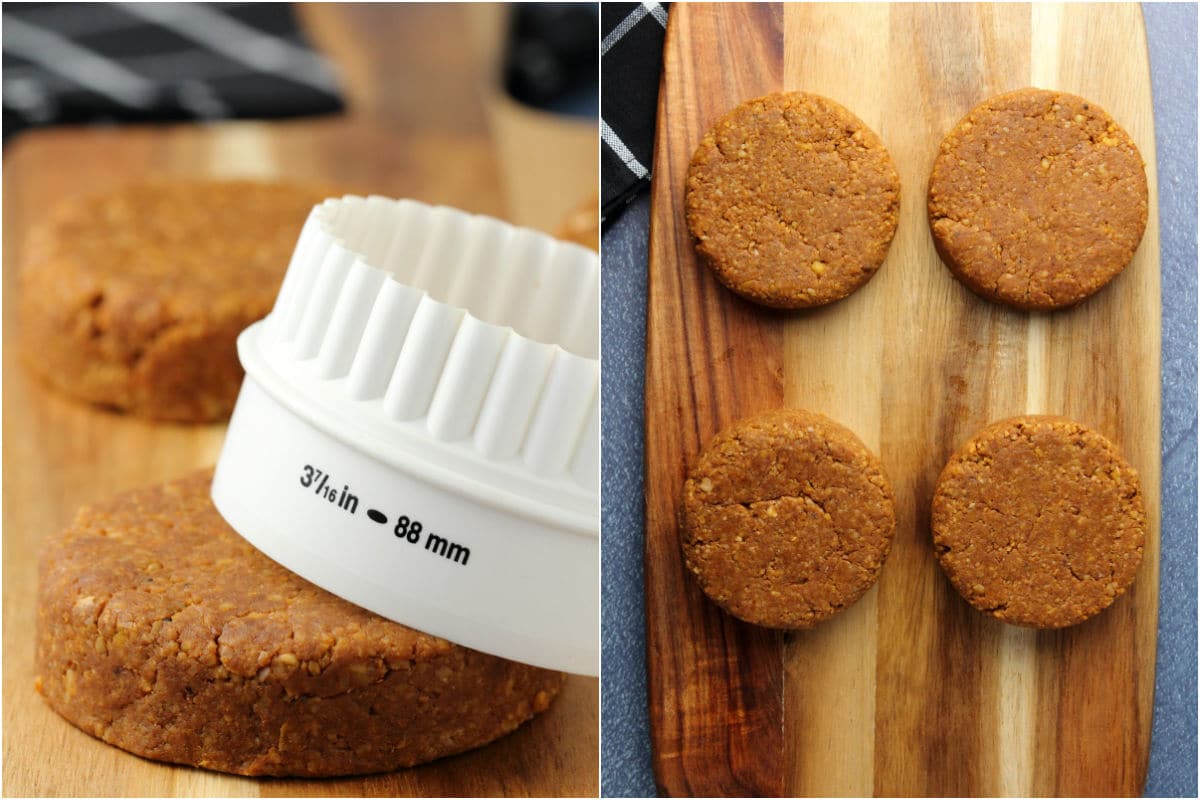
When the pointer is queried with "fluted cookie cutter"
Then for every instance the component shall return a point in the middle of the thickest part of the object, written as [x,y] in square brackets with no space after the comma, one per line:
[418,430]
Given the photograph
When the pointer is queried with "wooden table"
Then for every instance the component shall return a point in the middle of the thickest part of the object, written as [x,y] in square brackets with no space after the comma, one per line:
[425,120]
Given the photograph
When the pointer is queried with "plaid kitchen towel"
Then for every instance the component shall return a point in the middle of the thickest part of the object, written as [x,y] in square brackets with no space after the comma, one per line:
[115,62]
[631,56]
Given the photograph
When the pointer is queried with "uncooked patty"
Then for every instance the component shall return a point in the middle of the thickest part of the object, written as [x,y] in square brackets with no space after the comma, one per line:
[1038,521]
[792,200]
[134,298]
[582,224]
[163,632]
[1037,199]
[787,519]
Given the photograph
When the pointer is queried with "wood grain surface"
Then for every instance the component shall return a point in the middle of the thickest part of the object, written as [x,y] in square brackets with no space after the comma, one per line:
[59,454]
[909,692]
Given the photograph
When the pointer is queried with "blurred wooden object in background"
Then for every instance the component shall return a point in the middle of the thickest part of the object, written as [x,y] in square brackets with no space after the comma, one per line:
[547,164]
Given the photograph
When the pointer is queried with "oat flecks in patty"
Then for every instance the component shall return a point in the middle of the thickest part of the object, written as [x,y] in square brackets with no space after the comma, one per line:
[1039,521]
[787,519]
[1037,199]
[792,200]
[163,632]
[133,298]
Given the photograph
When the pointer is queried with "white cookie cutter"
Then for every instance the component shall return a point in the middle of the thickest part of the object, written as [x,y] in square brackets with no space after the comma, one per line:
[418,431]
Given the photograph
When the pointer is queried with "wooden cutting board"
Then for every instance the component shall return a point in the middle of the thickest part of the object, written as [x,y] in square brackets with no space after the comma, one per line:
[910,692]
[59,454]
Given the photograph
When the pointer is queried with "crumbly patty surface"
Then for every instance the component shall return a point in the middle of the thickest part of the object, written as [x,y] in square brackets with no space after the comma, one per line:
[792,200]
[1037,199]
[163,632]
[787,519]
[1038,521]
[134,298]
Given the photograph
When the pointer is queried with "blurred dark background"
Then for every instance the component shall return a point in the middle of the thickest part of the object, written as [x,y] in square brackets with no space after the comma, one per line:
[552,57]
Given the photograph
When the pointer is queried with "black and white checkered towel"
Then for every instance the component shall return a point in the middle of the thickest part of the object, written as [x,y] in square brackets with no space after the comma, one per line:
[110,62]
[631,56]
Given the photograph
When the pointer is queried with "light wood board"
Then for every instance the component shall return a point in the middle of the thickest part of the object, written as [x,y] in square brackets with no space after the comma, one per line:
[909,692]
[59,454]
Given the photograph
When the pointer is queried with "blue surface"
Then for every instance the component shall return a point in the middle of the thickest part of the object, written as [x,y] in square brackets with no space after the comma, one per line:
[625,743]
[1171,32]
[625,769]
